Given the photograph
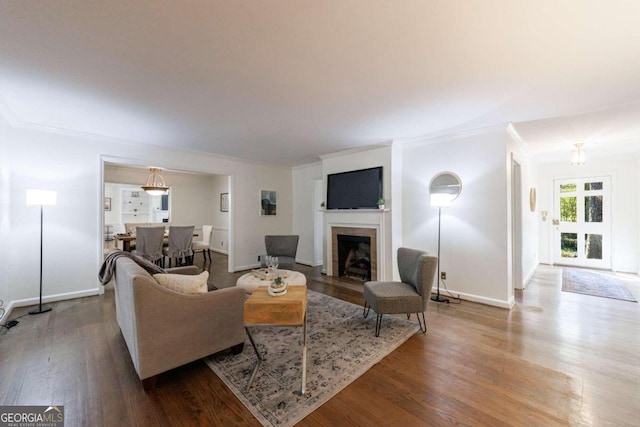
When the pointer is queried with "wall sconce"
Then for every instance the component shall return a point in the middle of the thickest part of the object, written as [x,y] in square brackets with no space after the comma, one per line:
[578,156]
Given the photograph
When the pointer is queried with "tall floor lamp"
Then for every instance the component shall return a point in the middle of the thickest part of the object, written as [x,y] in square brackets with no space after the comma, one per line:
[444,188]
[41,198]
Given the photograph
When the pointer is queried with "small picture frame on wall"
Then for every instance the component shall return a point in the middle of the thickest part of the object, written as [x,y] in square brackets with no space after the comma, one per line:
[224,202]
[267,202]
[107,203]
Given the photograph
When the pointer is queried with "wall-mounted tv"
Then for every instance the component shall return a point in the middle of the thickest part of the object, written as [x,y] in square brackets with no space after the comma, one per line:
[359,189]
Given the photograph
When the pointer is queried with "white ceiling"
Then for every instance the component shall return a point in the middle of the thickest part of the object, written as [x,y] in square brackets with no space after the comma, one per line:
[284,81]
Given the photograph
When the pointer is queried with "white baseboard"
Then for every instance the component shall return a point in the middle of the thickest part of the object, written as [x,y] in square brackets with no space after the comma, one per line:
[246,267]
[309,263]
[479,299]
[220,251]
[529,277]
[7,313]
[49,299]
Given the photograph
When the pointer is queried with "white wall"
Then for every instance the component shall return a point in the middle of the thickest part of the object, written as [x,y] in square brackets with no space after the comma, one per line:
[72,165]
[305,209]
[625,185]
[474,230]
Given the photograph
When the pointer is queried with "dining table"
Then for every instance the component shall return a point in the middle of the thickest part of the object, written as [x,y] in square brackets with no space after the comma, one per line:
[127,238]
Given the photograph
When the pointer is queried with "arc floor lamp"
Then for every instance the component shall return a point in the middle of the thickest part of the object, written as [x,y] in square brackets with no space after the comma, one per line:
[444,188]
[41,198]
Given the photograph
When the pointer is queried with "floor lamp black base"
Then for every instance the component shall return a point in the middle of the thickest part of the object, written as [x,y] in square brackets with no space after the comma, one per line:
[438,298]
[40,309]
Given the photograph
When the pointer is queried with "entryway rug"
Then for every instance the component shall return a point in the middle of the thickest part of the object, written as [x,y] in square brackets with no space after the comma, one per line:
[595,283]
[341,347]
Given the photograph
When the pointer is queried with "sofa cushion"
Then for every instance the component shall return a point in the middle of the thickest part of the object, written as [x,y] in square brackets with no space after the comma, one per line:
[186,284]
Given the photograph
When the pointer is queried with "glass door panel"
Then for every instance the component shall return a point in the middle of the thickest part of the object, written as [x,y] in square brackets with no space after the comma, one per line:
[593,246]
[582,228]
[569,245]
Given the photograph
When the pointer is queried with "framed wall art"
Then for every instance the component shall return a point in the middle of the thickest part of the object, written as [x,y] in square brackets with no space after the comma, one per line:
[267,202]
[107,203]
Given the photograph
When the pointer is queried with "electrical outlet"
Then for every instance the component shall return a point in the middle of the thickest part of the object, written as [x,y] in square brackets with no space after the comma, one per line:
[443,275]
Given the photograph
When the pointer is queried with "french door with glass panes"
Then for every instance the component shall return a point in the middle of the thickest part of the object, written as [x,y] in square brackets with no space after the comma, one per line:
[582,222]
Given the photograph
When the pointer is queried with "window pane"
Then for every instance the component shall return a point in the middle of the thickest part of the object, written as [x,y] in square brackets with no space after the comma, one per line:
[569,245]
[568,209]
[593,186]
[568,188]
[593,246]
[593,209]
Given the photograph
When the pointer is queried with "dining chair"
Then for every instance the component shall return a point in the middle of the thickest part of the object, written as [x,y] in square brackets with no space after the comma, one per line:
[149,244]
[204,245]
[180,240]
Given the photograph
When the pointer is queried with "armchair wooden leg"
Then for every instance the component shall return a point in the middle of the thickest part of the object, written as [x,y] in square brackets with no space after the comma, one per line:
[149,383]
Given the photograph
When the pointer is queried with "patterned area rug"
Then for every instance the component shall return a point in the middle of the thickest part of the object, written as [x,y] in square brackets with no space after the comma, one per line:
[595,283]
[341,347]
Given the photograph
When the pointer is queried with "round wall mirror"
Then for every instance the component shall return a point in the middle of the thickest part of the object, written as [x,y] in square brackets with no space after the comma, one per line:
[444,188]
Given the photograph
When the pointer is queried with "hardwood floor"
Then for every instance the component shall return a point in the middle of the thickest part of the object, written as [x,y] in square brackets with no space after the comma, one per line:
[555,359]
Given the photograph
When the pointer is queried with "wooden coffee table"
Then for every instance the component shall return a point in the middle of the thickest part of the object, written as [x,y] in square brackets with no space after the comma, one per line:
[262,309]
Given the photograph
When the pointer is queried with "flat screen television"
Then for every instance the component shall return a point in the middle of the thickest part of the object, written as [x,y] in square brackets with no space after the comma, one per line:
[359,189]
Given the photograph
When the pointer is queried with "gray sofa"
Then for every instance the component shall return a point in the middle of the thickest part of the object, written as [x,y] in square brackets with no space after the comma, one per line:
[165,329]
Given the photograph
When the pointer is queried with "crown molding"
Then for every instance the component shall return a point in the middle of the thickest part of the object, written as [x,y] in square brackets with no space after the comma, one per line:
[356,150]
[447,135]
[511,129]
[12,121]
[307,165]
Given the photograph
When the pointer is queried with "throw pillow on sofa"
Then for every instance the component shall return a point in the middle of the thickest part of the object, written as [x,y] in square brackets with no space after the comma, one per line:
[184,283]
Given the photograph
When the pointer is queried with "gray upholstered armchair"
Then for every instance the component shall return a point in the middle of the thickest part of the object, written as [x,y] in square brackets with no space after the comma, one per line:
[284,247]
[410,295]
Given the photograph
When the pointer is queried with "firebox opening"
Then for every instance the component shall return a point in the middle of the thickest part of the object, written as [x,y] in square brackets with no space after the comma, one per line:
[354,257]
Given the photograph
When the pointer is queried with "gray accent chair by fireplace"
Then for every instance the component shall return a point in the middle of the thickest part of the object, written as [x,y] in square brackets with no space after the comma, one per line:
[410,295]
[284,247]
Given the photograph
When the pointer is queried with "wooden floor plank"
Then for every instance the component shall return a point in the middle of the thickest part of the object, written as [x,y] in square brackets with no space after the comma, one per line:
[556,358]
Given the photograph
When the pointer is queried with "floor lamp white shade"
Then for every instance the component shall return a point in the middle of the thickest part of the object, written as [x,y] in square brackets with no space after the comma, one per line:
[41,198]
[441,200]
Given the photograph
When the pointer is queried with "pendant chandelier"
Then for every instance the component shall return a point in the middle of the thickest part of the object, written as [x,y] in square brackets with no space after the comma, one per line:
[155,185]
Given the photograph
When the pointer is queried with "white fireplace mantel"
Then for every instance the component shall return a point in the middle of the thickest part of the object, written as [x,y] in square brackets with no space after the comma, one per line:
[360,218]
